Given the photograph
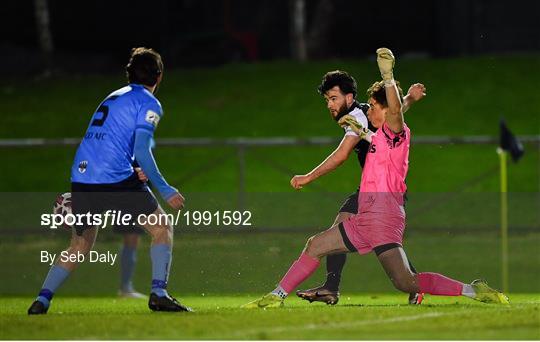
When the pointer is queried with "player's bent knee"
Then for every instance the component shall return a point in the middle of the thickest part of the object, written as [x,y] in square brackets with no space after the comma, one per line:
[314,246]
[80,247]
[311,245]
[161,233]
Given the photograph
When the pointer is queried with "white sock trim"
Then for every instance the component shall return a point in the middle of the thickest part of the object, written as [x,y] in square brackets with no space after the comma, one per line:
[279,291]
[468,291]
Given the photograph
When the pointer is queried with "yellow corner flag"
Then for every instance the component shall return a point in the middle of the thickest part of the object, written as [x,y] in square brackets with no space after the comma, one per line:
[508,144]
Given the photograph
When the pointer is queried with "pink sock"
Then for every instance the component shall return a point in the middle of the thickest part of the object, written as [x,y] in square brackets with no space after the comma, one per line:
[300,270]
[437,284]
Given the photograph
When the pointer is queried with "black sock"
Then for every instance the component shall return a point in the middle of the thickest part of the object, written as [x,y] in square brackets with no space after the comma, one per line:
[334,266]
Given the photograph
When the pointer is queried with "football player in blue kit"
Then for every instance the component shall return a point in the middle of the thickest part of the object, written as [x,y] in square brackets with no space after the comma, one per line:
[103,178]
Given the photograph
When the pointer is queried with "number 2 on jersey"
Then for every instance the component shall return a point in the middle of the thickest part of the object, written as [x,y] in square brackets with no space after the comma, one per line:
[104,109]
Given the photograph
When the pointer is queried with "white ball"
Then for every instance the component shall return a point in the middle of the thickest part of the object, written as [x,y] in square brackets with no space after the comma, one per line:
[62,206]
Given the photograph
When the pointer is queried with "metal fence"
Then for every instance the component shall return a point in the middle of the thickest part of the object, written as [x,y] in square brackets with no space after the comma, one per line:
[243,144]
[268,141]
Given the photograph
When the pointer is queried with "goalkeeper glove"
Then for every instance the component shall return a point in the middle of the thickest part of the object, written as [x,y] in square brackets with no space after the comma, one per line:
[385,61]
[357,127]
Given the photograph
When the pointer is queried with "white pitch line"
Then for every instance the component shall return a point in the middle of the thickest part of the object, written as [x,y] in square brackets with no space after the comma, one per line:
[313,326]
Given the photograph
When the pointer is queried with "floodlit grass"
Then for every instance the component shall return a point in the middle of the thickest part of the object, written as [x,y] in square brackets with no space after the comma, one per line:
[253,262]
[215,272]
[466,96]
[356,317]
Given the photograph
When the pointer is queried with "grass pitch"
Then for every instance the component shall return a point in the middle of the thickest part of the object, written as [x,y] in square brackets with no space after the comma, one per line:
[213,102]
[356,317]
[466,96]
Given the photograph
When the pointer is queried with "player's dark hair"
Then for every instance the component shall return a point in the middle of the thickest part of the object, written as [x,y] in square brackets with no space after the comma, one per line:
[379,94]
[144,66]
[342,79]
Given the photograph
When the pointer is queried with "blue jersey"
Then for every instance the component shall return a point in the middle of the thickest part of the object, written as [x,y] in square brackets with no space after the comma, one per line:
[106,153]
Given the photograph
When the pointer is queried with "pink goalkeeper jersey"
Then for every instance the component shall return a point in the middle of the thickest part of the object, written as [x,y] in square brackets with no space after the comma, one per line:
[383,178]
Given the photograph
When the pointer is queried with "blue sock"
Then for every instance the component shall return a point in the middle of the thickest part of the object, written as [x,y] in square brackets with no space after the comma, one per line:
[55,278]
[161,263]
[128,258]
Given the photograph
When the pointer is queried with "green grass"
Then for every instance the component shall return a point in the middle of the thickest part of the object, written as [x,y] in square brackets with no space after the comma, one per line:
[449,168]
[220,263]
[356,317]
[466,96]
[452,213]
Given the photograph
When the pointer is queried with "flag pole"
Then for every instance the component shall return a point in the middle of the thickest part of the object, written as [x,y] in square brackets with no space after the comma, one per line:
[504,218]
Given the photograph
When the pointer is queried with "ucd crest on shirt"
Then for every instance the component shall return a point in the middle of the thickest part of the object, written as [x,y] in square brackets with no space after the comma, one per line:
[152,118]
[82,166]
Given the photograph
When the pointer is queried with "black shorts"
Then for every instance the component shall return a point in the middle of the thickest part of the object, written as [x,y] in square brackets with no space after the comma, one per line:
[130,196]
[128,229]
[350,205]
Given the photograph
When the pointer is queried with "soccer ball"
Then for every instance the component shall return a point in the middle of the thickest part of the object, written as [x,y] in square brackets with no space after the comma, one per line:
[62,206]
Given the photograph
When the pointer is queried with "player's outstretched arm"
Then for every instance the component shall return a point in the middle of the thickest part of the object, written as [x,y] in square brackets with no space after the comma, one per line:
[335,159]
[394,114]
[145,158]
[415,93]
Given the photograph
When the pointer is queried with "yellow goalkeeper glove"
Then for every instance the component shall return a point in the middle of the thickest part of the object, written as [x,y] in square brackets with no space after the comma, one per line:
[385,61]
[357,127]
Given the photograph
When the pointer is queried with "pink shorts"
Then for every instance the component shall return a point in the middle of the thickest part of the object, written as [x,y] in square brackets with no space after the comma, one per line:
[368,230]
